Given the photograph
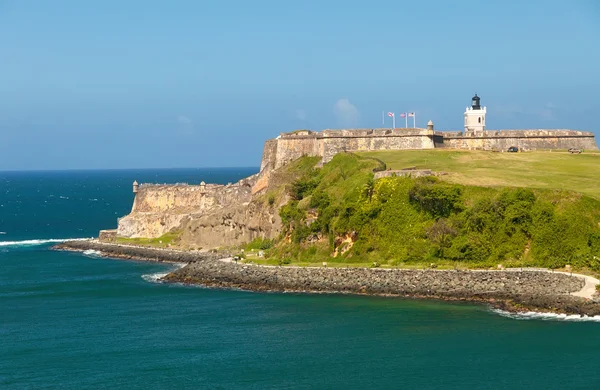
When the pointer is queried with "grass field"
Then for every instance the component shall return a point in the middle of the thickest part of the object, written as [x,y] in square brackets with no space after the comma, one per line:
[557,169]
[163,241]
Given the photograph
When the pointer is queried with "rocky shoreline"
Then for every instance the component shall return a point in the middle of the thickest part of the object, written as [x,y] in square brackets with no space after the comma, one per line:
[509,290]
[131,252]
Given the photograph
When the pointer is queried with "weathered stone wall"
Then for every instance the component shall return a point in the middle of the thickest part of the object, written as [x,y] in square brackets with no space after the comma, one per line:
[414,173]
[107,235]
[523,139]
[327,143]
[393,141]
[165,197]
[269,155]
[159,209]
[295,146]
[205,217]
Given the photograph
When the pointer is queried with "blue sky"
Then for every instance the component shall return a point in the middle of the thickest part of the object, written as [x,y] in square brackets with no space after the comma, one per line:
[137,84]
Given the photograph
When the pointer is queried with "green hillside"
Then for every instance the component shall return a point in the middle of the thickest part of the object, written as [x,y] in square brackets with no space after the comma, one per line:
[557,169]
[339,214]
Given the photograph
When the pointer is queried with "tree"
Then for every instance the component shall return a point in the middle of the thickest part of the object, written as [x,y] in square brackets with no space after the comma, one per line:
[441,233]
[369,189]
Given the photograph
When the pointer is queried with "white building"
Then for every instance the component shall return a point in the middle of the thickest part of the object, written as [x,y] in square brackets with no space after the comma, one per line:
[475,118]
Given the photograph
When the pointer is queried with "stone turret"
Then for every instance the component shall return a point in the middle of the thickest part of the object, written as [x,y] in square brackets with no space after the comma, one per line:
[135,186]
[202,187]
[430,125]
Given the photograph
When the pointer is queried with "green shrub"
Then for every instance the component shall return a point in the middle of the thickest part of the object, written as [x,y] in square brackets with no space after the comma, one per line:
[259,243]
[436,198]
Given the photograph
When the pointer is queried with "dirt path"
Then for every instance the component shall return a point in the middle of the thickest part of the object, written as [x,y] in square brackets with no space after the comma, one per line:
[589,289]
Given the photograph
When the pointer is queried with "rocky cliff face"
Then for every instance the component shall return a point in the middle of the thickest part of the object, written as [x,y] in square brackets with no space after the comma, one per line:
[205,216]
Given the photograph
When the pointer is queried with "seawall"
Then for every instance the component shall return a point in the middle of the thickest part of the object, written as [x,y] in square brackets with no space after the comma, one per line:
[509,289]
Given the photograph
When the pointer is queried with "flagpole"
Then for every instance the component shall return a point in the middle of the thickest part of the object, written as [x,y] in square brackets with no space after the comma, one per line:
[406,119]
[382,119]
[393,121]
[415,120]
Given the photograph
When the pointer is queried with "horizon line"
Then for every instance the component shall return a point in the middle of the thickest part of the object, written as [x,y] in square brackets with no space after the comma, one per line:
[122,169]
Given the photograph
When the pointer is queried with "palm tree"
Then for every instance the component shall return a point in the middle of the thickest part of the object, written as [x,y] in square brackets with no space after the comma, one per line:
[369,188]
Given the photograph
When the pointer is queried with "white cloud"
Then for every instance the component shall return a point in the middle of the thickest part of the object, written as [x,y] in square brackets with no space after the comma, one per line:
[346,113]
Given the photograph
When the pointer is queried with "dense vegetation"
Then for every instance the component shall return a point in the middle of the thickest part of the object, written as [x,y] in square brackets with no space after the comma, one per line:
[339,210]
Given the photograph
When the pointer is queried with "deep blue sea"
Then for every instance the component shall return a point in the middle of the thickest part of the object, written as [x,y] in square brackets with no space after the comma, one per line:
[75,321]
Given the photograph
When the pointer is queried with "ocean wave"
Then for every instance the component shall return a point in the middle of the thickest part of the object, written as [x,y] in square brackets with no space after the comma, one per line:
[39,241]
[2,232]
[92,253]
[532,315]
[156,278]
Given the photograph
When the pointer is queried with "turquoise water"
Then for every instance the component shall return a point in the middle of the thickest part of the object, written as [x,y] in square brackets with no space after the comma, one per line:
[74,321]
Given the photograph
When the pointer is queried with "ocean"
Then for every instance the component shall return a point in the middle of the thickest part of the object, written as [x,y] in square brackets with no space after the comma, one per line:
[79,321]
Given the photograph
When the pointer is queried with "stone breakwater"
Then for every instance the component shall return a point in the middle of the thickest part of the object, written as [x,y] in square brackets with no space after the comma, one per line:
[138,253]
[507,290]
[377,281]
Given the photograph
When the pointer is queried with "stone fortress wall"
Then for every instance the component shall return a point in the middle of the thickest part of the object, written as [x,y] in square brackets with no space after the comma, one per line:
[523,139]
[161,208]
[327,143]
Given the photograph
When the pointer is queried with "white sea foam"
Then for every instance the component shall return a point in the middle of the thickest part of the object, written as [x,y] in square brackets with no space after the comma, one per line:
[64,197]
[532,315]
[39,241]
[156,278]
[2,232]
[92,253]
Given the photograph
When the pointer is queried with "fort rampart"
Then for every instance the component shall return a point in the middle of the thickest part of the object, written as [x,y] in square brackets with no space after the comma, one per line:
[327,143]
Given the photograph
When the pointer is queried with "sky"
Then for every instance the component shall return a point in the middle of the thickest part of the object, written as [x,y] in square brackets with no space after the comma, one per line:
[203,83]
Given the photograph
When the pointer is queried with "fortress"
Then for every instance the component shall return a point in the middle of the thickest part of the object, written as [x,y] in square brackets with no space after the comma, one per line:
[208,215]
[327,143]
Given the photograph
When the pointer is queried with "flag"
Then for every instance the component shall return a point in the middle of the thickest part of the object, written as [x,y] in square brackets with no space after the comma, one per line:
[390,114]
[411,114]
[403,115]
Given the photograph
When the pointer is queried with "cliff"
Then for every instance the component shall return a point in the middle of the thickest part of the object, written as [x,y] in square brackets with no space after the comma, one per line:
[208,215]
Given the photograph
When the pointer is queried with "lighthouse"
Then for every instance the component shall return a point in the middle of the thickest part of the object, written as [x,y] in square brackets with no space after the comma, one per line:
[475,117]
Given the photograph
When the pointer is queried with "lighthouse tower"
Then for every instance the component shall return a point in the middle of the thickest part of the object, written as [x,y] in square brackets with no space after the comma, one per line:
[475,117]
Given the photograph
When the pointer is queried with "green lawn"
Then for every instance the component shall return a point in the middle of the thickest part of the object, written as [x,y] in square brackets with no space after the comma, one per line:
[163,241]
[557,169]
